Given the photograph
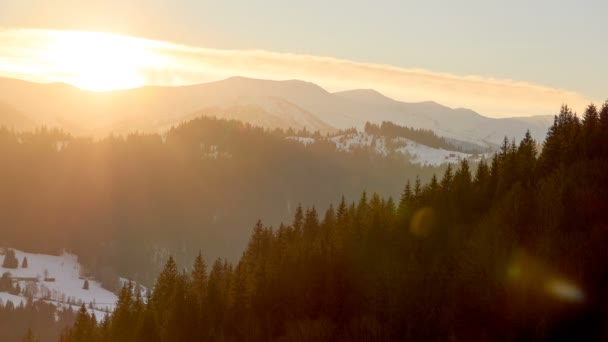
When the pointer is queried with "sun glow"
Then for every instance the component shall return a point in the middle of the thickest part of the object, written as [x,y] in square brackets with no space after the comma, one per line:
[99,61]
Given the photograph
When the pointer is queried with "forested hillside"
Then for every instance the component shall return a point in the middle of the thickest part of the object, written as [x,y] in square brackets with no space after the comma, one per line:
[514,251]
[34,321]
[424,136]
[123,204]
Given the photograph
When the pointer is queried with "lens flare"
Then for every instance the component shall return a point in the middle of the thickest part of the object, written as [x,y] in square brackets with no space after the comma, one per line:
[530,275]
[564,290]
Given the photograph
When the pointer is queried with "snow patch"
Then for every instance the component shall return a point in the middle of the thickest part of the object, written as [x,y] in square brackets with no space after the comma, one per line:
[58,280]
[418,153]
[303,140]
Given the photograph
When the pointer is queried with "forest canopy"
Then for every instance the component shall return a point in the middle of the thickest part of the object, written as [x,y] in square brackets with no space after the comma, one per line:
[124,203]
[515,250]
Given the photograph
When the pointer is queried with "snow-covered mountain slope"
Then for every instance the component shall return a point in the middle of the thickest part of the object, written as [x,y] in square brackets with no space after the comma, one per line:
[425,155]
[456,123]
[272,103]
[57,280]
[417,153]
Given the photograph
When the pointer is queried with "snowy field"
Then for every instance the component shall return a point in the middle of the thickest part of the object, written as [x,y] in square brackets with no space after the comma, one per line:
[65,290]
[16,300]
[418,153]
[425,155]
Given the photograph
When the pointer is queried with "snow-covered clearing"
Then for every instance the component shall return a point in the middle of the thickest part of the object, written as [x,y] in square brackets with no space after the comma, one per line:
[418,153]
[57,280]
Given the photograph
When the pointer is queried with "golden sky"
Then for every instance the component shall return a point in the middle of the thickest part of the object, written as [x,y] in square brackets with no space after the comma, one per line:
[102,62]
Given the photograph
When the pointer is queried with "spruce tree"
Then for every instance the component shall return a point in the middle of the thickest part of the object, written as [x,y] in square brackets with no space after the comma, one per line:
[198,293]
[298,219]
[446,181]
[526,159]
[311,225]
[603,130]
[10,260]
[406,198]
[417,187]
[591,118]
[122,317]
[84,326]
[165,284]
[199,280]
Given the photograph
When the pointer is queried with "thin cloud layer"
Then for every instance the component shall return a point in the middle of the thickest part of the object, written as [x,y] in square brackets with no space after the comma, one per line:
[104,61]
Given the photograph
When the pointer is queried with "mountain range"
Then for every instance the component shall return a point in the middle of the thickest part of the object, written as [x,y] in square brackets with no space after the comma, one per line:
[283,104]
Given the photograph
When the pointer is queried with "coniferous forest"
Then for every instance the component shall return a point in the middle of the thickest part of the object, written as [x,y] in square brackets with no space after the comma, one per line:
[33,321]
[123,204]
[513,250]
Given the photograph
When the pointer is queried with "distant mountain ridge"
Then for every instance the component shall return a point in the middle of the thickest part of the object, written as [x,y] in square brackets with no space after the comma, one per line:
[13,119]
[291,103]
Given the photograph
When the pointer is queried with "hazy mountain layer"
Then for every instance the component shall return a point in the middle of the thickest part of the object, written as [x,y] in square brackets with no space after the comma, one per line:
[272,104]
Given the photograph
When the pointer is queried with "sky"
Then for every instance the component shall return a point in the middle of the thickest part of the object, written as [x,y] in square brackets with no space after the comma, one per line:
[502,58]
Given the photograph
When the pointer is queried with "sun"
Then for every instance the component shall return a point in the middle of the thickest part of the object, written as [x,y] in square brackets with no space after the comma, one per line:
[100,61]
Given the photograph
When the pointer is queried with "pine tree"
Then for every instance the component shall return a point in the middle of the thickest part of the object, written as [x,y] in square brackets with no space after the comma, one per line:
[446,181]
[84,326]
[526,159]
[10,260]
[5,282]
[216,295]
[591,117]
[462,182]
[603,115]
[341,227]
[122,318]
[590,143]
[199,280]
[432,189]
[85,286]
[362,206]
[148,331]
[298,219]
[417,187]
[104,329]
[603,130]
[406,198]
[561,145]
[482,188]
[311,225]
[24,263]
[165,285]
[504,148]
[198,293]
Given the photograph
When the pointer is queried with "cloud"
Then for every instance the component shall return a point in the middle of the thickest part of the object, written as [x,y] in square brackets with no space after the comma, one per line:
[36,55]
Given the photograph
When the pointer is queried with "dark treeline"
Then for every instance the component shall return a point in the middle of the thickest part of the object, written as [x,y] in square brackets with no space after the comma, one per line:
[34,321]
[123,204]
[419,135]
[513,251]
